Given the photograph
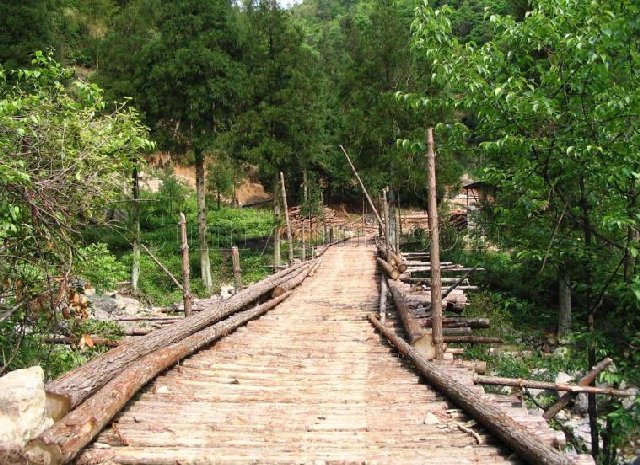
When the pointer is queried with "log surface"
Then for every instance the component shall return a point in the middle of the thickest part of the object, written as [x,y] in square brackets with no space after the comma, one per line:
[309,382]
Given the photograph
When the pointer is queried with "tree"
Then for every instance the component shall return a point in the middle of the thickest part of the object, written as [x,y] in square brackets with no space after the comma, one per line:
[280,127]
[25,26]
[186,76]
[556,105]
[63,159]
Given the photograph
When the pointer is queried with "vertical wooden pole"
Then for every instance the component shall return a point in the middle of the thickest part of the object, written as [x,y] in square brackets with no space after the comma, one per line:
[286,217]
[434,235]
[135,213]
[384,290]
[237,271]
[186,292]
[363,213]
[385,213]
[276,234]
[304,252]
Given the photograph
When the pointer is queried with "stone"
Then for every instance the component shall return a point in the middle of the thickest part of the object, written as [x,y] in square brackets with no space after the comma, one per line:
[628,402]
[431,419]
[564,378]
[226,291]
[22,407]
[581,403]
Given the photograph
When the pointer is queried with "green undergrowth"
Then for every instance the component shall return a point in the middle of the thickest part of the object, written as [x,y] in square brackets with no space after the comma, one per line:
[248,228]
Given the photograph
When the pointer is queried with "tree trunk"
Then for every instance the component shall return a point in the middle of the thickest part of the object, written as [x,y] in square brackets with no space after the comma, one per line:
[73,387]
[203,245]
[525,444]
[135,214]
[62,442]
[564,305]
[434,235]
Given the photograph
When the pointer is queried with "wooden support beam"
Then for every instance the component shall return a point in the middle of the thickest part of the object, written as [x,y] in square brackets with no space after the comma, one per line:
[161,266]
[535,384]
[364,189]
[473,339]
[434,236]
[237,271]
[286,217]
[526,445]
[382,307]
[187,299]
[569,396]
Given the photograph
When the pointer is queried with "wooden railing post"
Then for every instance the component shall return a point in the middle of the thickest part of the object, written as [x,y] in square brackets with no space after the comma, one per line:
[434,235]
[186,292]
[237,271]
[286,217]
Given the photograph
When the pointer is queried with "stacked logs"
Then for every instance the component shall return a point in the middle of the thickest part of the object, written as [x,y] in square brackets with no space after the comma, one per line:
[85,399]
[390,262]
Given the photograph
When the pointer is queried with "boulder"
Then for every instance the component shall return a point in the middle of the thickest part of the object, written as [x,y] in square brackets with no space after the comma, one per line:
[22,407]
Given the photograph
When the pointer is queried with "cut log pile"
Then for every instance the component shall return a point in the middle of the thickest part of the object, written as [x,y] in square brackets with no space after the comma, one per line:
[85,399]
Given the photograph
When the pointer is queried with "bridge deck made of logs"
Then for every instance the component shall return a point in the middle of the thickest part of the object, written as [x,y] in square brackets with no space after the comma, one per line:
[309,382]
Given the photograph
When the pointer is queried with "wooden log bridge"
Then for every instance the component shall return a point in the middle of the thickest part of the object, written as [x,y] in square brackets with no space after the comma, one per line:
[295,376]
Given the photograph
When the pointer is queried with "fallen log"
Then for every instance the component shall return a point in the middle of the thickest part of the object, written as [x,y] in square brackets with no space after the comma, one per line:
[73,387]
[393,259]
[569,396]
[550,386]
[62,442]
[525,444]
[390,271]
[460,331]
[419,338]
[75,341]
[456,322]
[294,282]
[474,339]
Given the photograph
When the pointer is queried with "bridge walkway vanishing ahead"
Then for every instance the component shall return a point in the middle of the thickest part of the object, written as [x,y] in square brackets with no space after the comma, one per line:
[309,382]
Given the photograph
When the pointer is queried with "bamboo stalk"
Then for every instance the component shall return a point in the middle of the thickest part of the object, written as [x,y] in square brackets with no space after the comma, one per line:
[364,189]
[286,217]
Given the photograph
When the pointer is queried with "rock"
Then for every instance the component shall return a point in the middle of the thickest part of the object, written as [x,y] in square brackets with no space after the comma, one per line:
[431,419]
[628,402]
[22,407]
[562,415]
[564,378]
[581,403]
[226,291]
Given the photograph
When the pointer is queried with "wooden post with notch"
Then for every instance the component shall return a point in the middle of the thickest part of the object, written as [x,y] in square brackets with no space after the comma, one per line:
[303,245]
[434,235]
[286,217]
[385,213]
[186,291]
[237,271]
[276,235]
